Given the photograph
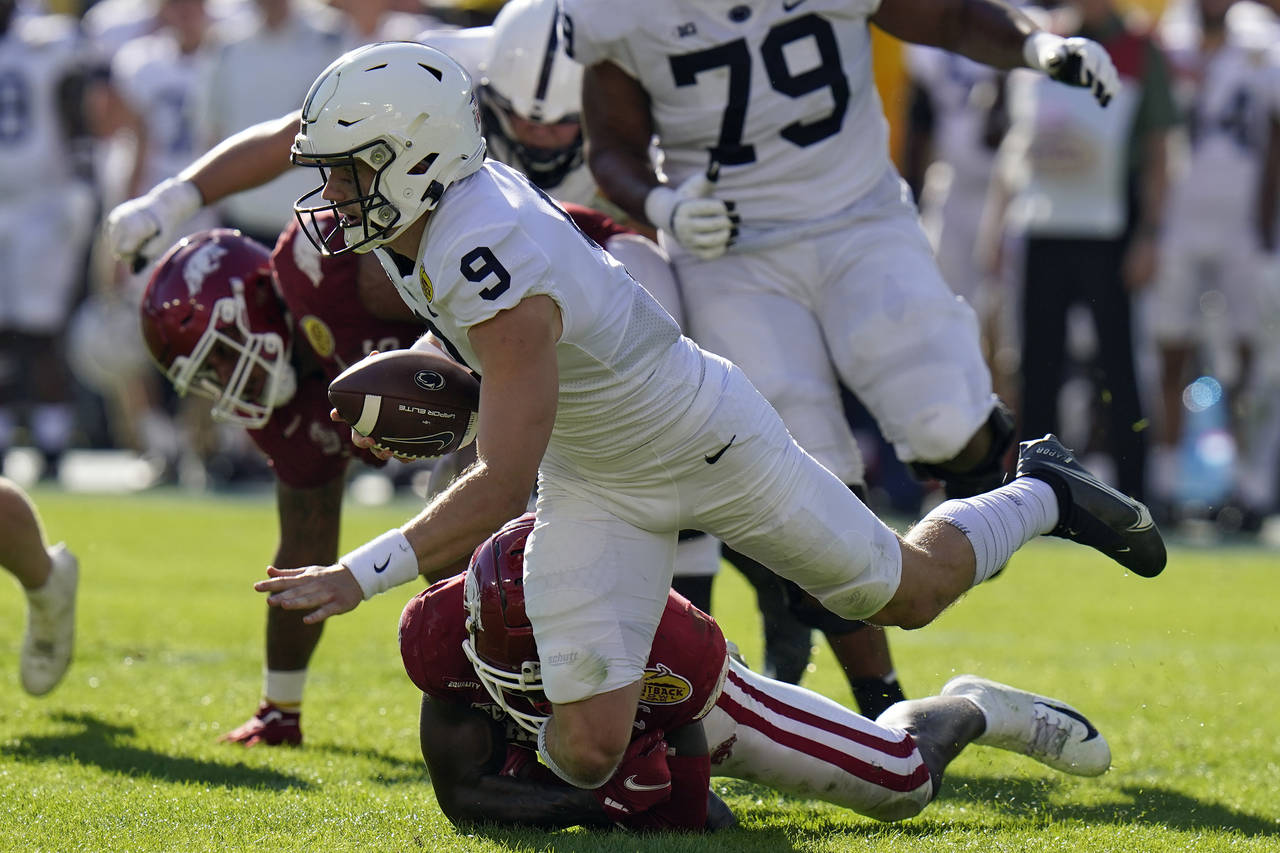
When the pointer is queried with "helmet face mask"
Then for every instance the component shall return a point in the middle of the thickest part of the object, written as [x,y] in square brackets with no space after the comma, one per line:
[528,78]
[400,113]
[545,166]
[214,325]
[246,374]
[377,215]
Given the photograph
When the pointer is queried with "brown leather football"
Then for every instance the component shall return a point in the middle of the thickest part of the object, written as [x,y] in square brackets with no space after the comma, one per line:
[415,403]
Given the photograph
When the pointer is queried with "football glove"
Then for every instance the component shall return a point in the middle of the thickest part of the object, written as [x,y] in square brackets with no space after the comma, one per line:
[141,228]
[688,806]
[641,781]
[704,225]
[1074,61]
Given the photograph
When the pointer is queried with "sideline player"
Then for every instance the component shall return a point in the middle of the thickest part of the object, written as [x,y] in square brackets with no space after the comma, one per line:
[630,430]
[467,644]
[49,575]
[798,247]
[284,324]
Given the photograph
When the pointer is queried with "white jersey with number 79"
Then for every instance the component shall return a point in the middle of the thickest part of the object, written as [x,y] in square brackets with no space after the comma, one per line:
[779,92]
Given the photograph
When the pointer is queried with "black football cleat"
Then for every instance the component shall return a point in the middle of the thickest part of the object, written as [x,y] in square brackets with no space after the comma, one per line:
[1091,512]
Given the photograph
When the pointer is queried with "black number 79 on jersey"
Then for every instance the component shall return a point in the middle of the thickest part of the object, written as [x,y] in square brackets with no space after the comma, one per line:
[736,56]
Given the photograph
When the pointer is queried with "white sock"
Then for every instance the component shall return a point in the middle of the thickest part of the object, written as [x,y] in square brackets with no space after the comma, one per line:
[283,688]
[1001,521]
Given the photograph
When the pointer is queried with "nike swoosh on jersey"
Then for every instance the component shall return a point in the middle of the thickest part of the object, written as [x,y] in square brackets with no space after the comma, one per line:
[787,7]
[715,457]
[631,784]
[1091,732]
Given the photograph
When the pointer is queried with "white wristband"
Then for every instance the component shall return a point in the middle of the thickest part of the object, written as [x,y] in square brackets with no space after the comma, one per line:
[176,201]
[382,563]
[659,204]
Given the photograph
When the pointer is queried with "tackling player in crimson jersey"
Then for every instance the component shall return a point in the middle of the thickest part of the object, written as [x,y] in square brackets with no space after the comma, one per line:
[194,314]
[466,642]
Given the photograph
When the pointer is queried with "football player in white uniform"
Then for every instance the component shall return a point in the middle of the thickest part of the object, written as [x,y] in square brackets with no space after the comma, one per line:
[798,249]
[46,219]
[630,430]
[1211,247]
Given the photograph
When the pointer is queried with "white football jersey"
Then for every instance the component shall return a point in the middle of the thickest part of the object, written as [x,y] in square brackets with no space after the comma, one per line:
[779,92]
[36,55]
[1224,96]
[625,370]
[158,82]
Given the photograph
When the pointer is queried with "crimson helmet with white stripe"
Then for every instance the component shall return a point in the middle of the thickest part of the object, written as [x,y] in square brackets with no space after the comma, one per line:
[213,322]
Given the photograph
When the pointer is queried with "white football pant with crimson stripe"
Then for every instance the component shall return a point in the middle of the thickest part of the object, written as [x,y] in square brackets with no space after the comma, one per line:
[806,745]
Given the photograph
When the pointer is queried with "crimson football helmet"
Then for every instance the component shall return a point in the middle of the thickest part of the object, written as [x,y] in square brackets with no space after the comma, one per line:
[499,640]
[214,324]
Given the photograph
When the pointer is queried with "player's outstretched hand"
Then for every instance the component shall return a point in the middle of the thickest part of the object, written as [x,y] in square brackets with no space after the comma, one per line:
[324,590]
[141,228]
[1075,61]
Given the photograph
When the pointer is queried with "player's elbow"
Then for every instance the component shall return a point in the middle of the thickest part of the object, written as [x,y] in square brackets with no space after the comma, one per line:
[463,807]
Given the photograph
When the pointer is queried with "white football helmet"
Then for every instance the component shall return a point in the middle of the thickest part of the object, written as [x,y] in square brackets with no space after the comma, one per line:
[406,110]
[528,75]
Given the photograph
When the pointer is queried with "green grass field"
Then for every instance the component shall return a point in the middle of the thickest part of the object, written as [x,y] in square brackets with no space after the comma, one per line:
[1180,673]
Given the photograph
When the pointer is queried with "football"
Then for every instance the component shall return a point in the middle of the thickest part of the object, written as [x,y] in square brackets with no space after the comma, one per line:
[416,403]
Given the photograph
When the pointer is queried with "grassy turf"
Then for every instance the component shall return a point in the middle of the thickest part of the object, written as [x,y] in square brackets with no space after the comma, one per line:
[1180,673]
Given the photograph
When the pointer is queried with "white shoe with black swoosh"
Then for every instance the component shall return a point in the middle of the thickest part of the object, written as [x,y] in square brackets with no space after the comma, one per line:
[1091,512]
[1049,731]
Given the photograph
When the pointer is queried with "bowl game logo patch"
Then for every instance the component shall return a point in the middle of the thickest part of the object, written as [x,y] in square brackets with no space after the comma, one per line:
[318,335]
[661,686]
[428,291]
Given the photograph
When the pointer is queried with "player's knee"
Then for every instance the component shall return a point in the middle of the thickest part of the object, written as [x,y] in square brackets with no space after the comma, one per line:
[590,752]
[592,759]
[938,434]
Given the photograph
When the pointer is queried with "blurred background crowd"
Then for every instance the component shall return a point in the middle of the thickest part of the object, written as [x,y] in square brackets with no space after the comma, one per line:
[1122,261]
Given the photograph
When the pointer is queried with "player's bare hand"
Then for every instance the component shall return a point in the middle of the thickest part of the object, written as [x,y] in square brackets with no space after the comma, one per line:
[363,441]
[324,590]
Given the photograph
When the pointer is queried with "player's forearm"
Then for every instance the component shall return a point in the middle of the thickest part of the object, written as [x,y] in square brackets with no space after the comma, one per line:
[986,31]
[624,178]
[309,524]
[618,127]
[242,161]
[522,802]
[444,535]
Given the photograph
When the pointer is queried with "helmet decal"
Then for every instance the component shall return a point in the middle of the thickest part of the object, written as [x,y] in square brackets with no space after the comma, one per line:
[200,264]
